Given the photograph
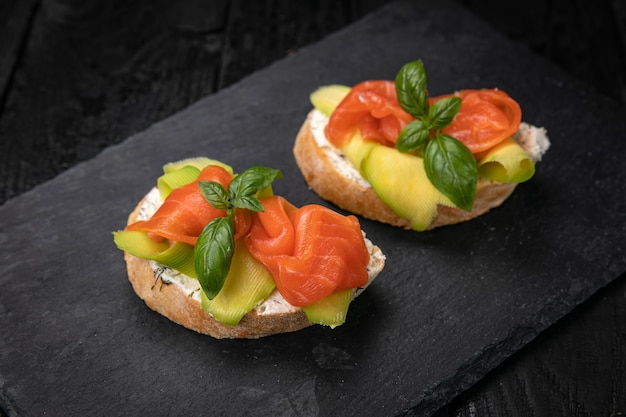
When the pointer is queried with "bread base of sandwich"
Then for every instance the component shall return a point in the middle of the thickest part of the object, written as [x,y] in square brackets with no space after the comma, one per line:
[333,178]
[273,316]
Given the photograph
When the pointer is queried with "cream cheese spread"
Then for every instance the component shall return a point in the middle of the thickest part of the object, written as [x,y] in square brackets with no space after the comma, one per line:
[318,124]
[533,139]
[187,284]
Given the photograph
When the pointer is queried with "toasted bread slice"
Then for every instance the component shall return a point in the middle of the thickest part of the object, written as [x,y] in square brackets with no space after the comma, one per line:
[333,178]
[177,297]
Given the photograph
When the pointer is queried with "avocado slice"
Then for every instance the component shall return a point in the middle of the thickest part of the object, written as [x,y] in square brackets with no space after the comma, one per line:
[357,149]
[400,181]
[506,162]
[327,98]
[199,162]
[167,183]
[184,171]
[330,310]
[247,284]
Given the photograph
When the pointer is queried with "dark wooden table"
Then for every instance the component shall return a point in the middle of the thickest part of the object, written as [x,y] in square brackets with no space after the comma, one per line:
[78,76]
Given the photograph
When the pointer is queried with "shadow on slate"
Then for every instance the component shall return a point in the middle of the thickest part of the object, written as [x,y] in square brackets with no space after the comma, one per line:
[450,305]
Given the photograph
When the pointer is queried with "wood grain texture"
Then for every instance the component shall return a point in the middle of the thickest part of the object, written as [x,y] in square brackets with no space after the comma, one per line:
[78,76]
[94,73]
[15,22]
[279,28]
[587,38]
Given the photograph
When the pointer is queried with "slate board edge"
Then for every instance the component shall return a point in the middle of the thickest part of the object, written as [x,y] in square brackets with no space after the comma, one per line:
[485,362]
[441,387]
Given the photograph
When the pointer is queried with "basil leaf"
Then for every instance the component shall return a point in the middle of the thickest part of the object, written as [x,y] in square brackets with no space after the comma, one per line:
[451,168]
[249,182]
[213,254]
[443,111]
[413,137]
[215,194]
[411,89]
[250,203]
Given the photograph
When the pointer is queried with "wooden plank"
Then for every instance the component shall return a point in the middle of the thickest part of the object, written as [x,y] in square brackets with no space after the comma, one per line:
[93,73]
[260,32]
[619,13]
[585,38]
[15,23]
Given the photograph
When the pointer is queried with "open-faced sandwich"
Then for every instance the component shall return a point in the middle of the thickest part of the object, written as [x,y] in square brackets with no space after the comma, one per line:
[220,254]
[389,152]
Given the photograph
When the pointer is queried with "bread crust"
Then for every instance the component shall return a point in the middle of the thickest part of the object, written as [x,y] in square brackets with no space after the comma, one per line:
[170,301]
[322,175]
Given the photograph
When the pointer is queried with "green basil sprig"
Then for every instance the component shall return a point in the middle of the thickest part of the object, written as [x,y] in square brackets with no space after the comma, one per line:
[214,249]
[449,164]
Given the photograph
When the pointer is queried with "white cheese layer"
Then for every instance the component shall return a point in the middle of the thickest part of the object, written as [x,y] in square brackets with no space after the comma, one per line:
[533,139]
[318,124]
[187,284]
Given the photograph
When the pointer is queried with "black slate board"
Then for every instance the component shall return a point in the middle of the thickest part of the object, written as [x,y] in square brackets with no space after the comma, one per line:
[450,305]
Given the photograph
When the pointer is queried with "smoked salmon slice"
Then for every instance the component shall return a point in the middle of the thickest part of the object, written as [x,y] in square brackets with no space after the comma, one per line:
[310,251]
[486,118]
[185,212]
[372,107]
